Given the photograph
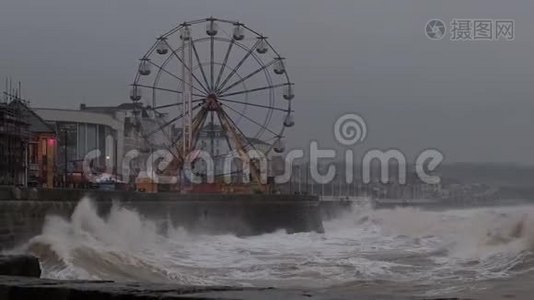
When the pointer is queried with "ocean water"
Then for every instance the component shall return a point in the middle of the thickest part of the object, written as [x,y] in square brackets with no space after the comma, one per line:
[403,250]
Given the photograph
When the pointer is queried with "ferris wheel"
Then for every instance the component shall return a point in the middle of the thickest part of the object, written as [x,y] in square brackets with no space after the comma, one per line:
[213,80]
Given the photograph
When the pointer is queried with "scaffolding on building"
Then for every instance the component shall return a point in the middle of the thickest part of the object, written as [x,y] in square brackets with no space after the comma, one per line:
[14,138]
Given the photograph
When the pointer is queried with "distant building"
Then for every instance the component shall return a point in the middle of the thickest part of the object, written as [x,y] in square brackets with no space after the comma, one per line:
[80,133]
[137,120]
[111,131]
[141,133]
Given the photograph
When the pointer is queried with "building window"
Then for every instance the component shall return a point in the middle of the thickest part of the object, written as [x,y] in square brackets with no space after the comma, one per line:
[43,147]
[91,137]
[82,149]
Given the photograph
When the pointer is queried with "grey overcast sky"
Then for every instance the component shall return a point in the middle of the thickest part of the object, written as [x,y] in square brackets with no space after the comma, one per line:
[472,100]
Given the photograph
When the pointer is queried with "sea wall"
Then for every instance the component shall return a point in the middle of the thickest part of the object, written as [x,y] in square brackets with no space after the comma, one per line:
[335,209]
[23,211]
[20,265]
[15,288]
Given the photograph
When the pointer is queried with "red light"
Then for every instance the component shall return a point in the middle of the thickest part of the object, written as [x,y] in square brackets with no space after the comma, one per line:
[51,142]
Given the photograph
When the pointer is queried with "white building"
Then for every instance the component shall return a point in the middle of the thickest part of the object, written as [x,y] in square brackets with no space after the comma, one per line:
[113,130]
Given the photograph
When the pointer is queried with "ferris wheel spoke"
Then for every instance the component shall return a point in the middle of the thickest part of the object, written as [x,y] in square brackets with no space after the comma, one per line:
[238,129]
[243,79]
[212,54]
[250,119]
[234,71]
[145,137]
[161,127]
[199,117]
[187,68]
[175,104]
[256,89]
[254,104]
[173,75]
[211,135]
[237,136]
[199,63]
[166,106]
[197,124]
[164,89]
[225,61]
[254,168]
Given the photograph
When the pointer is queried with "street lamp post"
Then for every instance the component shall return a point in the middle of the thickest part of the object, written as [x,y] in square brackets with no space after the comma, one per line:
[65,171]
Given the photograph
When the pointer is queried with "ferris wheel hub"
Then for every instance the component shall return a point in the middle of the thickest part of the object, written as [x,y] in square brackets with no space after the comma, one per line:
[212,103]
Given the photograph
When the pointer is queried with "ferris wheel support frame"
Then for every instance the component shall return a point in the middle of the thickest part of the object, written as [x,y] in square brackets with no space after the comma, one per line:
[240,142]
[187,88]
